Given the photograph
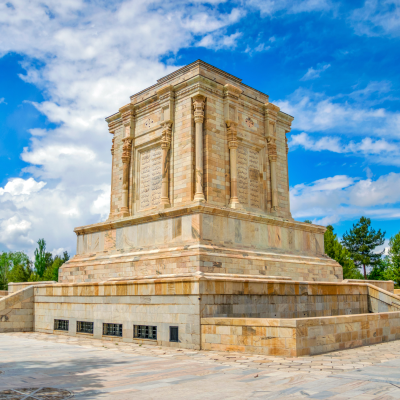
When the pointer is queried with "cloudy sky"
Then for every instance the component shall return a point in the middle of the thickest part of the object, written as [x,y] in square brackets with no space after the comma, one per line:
[66,65]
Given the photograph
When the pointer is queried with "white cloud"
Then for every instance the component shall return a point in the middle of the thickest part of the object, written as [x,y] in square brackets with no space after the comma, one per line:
[218,41]
[18,186]
[317,112]
[378,151]
[87,57]
[270,7]
[377,18]
[2,100]
[315,73]
[341,197]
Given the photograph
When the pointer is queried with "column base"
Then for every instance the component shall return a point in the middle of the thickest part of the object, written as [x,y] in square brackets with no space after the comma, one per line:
[124,212]
[234,203]
[164,203]
[199,197]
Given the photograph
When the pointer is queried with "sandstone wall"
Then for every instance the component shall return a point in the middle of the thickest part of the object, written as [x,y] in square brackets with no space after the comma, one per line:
[298,337]
[160,304]
[203,239]
[16,311]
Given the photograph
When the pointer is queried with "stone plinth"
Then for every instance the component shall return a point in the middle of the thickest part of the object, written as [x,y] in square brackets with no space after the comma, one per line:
[201,238]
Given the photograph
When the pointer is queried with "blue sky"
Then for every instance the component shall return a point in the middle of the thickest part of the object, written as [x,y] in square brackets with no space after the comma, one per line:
[64,66]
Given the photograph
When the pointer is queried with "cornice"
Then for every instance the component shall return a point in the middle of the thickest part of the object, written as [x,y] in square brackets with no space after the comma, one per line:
[200,208]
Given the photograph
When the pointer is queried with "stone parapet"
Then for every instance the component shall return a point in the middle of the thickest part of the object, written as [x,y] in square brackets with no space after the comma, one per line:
[17,286]
[386,285]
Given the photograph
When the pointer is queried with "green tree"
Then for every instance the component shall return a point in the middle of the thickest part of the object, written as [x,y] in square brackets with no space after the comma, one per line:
[335,250]
[43,259]
[307,221]
[5,266]
[361,242]
[14,267]
[379,271]
[21,267]
[394,256]
[51,273]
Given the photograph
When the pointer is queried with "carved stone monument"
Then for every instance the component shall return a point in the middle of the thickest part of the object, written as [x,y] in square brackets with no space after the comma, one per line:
[200,183]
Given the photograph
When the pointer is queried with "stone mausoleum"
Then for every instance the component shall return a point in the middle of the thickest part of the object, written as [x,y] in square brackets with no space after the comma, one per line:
[200,249]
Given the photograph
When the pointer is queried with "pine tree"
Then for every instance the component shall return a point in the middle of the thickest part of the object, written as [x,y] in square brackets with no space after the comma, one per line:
[335,250]
[361,242]
[41,258]
[394,257]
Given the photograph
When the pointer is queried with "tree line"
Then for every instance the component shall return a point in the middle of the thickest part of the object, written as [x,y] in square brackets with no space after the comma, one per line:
[357,251]
[18,267]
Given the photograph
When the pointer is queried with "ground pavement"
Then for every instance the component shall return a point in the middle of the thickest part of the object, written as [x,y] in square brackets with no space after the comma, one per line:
[40,366]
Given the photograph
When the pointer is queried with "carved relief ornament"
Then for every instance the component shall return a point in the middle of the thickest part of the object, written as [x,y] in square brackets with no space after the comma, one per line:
[166,135]
[198,105]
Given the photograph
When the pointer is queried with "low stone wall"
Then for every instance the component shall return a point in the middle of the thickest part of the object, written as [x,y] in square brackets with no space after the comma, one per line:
[298,337]
[3,293]
[16,311]
[157,303]
[251,298]
[396,291]
[17,286]
[385,285]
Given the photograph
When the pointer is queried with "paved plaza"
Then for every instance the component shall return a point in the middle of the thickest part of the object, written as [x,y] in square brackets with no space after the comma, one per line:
[95,369]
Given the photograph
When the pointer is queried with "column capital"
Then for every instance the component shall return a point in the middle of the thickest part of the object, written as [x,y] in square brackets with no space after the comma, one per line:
[272,152]
[166,134]
[231,131]
[198,105]
[112,147]
[126,149]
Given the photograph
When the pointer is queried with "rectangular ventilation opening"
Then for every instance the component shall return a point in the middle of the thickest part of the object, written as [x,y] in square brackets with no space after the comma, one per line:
[173,334]
[84,327]
[61,325]
[145,332]
[112,330]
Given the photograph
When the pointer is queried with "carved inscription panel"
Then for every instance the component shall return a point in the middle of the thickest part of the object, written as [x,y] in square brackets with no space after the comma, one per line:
[150,177]
[248,177]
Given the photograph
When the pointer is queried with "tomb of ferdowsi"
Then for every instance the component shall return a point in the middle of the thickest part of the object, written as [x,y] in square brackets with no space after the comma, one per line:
[200,249]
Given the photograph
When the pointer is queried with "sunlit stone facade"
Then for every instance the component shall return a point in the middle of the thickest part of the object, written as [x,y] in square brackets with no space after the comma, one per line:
[200,183]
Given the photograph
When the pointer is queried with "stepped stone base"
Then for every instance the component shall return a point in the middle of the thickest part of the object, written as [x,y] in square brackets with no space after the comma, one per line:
[201,238]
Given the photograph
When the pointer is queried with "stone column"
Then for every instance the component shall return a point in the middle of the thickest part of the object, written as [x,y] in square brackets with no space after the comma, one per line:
[272,156]
[114,123]
[126,158]
[165,146]
[127,120]
[198,104]
[112,176]
[271,113]
[233,145]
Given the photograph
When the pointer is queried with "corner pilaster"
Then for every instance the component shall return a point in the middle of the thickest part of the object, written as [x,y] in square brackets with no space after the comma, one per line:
[198,105]
[271,115]
[127,113]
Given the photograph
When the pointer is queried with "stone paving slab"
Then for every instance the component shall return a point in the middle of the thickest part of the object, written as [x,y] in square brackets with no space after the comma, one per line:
[95,369]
